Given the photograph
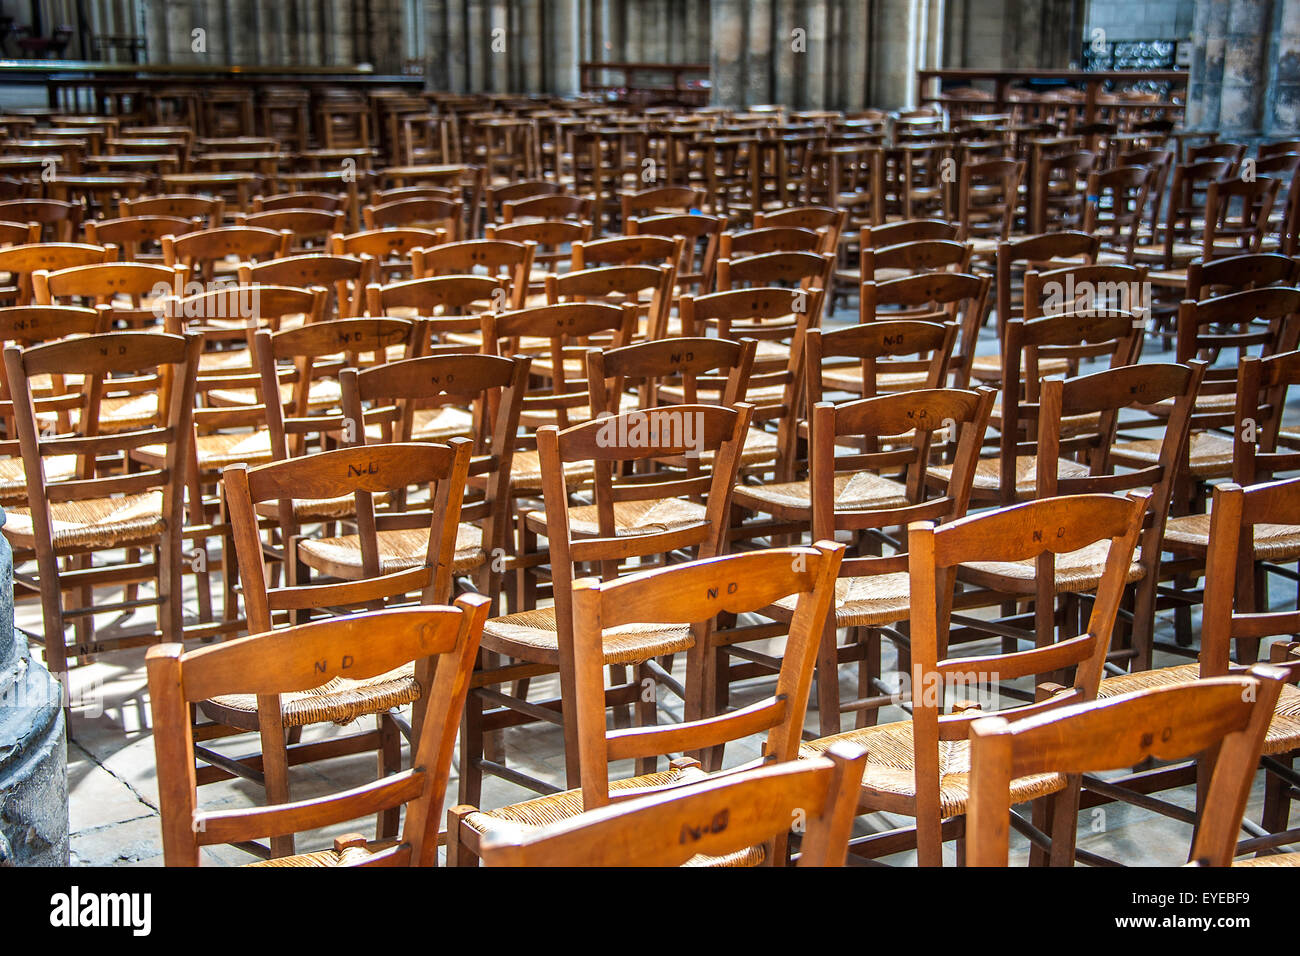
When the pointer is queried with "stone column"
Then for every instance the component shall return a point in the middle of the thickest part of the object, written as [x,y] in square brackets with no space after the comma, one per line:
[33,750]
[563,24]
[1245,76]
[1284,99]
[728,57]
[457,51]
[758,68]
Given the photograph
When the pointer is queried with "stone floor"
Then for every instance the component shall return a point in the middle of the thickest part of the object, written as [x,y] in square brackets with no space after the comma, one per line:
[113,787]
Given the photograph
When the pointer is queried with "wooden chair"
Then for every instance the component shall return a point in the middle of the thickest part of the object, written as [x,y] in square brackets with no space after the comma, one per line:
[557,207]
[1124,192]
[345,276]
[22,260]
[288,666]
[850,488]
[933,297]
[360,472]
[128,291]
[1226,716]
[502,258]
[449,305]
[60,221]
[682,508]
[988,194]
[658,201]
[495,197]
[208,252]
[553,254]
[209,209]
[311,228]
[104,506]
[438,214]
[649,288]
[698,262]
[435,398]
[679,605]
[745,809]
[389,248]
[921,766]
[138,238]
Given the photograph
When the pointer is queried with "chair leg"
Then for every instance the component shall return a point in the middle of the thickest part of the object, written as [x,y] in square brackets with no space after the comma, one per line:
[828,682]
[390,762]
[647,711]
[1277,799]
[458,854]
[471,752]
[275,764]
[1065,822]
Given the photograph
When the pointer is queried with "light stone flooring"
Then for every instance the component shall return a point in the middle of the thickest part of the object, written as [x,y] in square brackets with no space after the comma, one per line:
[114,800]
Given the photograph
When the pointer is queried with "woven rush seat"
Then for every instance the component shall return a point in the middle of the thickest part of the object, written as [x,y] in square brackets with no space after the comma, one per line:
[891,770]
[988,368]
[526,472]
[13,476]
[1183,252]
[319,509]
[323,393]
[1283,730]
[216,451]
[531,635]
[399,550]
[1273,542]
[439,424]
[124,413]
[631,518]
[1076,571]
[351,856]
[983,245]
[863,491]
[1070,424]
[864,602]
[340,701]
[1174,278]
[43,385]
[1209,453]
[522,818]
[226,360]
[849,379]
[1273,859]
[93,523]
[988,473]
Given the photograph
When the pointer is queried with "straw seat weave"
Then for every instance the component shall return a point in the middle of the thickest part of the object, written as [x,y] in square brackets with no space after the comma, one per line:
[351,856]
[1209,453]
[891,770]
[306,509]
[399,550]
[1076,571]
[631,518]
[988,368]
[226,360]
[865,602]
[1182,251]
[323,393]
[848,378]
[93,522]
[340,701]
[531,635]
[439,424]
[1273,542]
[217,451]
[13,476]
[522,818]
[863,491]
[123,413]
[1283,731]
[988,473]
[1273,859]
[526,472]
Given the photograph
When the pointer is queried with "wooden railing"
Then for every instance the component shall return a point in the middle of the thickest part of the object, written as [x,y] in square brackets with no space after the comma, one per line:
[930,84]
[646,84]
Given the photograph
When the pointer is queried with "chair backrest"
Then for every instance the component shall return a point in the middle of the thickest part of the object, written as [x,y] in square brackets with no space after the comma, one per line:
[200,250]
[512,261]
[694,594]
[804,269]
[577,208]
[100,285]
[920,255]
[489,388]
[1126,189]
[679,436]
[346,275]
[362,472]
[844,445]
[680,363]
[427,212]
[180,205]
[1226,716]
[1259,321]
[618,284]
[1239,273]
[714,817]
[314,224]
[1252,199]
[1016,256]
[304,358]
[1037,530]
[699,257]
[1262,387]
[25,259]
[136,236]
[909,230]
[752,242]
[358,647]
[884,349]
[988,192]
[446,303]
[957,297]
[1242,520]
